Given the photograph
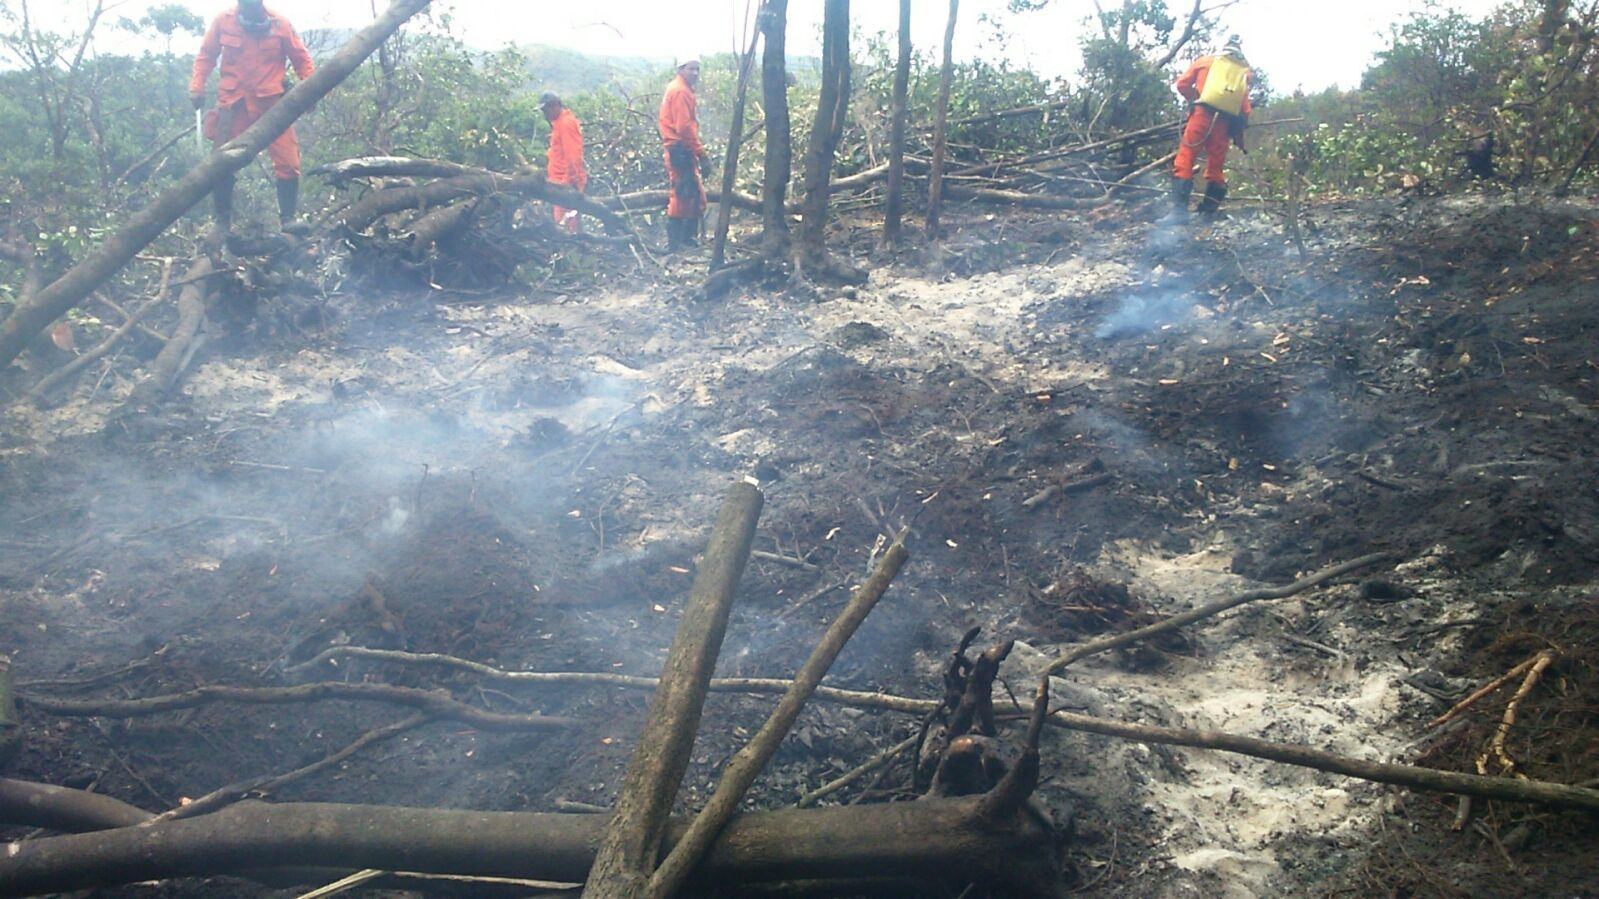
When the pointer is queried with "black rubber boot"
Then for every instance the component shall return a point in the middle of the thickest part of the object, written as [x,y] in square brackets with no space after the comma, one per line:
[1210,207]
[1181,190]
[288,201]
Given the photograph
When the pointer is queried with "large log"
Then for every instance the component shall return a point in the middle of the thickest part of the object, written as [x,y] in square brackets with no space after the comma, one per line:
[530,184]
[27,804]
[928,840]
[52,302]
[394,167]
[655,200]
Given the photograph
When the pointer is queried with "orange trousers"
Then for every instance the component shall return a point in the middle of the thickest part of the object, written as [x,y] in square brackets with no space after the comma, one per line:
[1207,130]
[568,218]
[232,121]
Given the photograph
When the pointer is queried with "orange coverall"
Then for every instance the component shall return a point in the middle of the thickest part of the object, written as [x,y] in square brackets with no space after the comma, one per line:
[1207,129]
[564,162]
[680,127]
[251,81]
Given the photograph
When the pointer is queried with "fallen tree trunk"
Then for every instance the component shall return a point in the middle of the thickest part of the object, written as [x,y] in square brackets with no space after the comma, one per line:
[360,216]
[394,167]
[920,840]
[52,302]
[440,224]
[1024,200]
[27,804]
[655,200]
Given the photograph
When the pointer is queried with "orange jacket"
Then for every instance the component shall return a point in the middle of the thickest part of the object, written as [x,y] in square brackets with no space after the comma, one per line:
[252,67]
[1192,84]
[680,117]
[564,161]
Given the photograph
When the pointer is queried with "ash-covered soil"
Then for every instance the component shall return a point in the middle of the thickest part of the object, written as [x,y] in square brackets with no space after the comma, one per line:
[525,481]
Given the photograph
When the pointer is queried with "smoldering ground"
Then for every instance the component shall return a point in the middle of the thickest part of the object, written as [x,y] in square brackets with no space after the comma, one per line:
[538,548]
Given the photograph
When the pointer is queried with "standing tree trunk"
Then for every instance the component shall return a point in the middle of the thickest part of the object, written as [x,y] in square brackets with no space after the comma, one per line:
[831,107]
[735,137]
[52,302]
[779,163]
[896,130]
[935,184]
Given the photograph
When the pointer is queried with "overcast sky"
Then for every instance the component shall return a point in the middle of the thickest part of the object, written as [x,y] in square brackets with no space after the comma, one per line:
[1296,42]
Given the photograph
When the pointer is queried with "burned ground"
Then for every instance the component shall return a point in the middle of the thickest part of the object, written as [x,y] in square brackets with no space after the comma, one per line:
[1085,424]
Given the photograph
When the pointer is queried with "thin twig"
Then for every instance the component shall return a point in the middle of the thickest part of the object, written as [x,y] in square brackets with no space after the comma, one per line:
[854,774]
[224,796]
[1486,689]
[1207,611]
[1507,765]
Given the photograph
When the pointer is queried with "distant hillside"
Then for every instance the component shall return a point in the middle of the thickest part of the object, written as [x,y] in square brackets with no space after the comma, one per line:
[567,71]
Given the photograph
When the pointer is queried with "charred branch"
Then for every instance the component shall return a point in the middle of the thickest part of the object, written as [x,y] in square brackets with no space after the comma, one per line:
[10,723]
[65,373]
[434,703]
[628,853]
[1427,779]
[747,764]
[193,304]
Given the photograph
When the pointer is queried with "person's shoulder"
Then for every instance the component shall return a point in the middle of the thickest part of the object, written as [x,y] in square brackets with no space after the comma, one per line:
[225,19]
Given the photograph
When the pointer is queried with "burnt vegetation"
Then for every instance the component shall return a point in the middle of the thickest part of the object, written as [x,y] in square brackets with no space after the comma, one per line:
[947,526]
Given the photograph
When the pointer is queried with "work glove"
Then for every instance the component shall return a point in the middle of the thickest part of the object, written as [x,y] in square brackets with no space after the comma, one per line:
[198,100]
[1238,141]
[705,166]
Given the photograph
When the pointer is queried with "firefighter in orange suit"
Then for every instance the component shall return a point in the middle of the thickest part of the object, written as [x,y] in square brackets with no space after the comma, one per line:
[254,46]
[564,161]
[1218,88]
[685,156]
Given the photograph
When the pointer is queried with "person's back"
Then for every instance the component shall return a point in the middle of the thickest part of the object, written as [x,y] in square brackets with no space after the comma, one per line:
[1218,88]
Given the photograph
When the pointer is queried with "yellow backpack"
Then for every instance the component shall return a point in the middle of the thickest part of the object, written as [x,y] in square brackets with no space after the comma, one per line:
[1227,85]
